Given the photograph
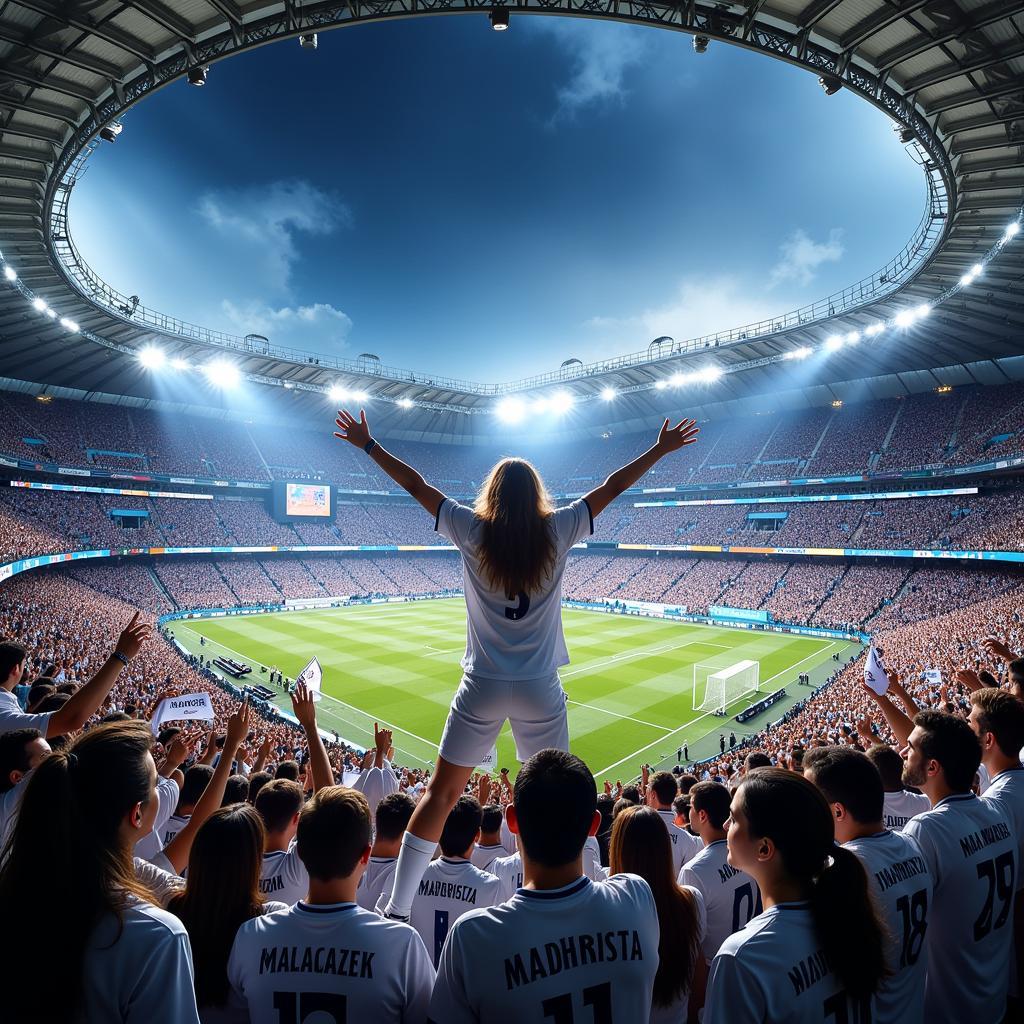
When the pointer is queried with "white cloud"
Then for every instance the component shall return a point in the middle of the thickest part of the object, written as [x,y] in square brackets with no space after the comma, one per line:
[320,323]
[601,57]
[800,256]
[699,306]
[266,220]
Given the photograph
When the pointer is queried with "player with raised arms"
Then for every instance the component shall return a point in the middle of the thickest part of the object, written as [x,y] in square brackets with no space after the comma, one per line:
[514,546]
[563,947]
[897,873]
[816,953]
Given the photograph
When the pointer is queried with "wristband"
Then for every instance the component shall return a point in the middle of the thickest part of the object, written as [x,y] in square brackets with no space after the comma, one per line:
[369,446]
[120,657]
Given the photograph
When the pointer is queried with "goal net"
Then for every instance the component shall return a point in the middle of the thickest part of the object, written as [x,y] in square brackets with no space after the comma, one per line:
[716,687]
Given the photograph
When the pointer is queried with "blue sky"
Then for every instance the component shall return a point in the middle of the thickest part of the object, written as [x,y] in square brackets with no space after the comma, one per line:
[488,204]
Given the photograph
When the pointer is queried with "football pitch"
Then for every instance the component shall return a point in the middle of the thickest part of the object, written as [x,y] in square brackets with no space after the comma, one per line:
[630,682]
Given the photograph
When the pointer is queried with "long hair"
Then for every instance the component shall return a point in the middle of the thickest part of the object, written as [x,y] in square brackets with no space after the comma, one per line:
[791,811]
[222,893]
[640,845]
[65,864]
[517,545]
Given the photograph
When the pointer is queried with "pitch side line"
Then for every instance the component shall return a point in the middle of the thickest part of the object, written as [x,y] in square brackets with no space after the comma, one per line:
[615,714]
[661,739]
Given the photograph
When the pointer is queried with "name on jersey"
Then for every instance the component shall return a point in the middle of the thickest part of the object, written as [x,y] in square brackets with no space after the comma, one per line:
[899,872]
[804,974]
[347,963]
[448,890]
[975,841]
[726,871]
[569,952]
[895,821]
[275,883]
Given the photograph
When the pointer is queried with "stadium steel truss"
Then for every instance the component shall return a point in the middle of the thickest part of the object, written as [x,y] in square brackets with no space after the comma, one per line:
[949,73]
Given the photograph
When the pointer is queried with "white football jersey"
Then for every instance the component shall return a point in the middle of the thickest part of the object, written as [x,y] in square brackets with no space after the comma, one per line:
[1006,791]
[731,897]
[902,884]
[175,823]
[283,876]
[483,857]
[508,840]
[585,952]
[519,637]
[331,964]
[677,1012]
[509,871]
[971,851]
[684,846]
[592,860]
[774,971]
[377,879]
[900,807]
[167,794]
[378,783]
[450,887]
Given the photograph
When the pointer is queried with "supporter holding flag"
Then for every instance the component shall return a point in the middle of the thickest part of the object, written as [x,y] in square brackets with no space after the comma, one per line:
[899,878]
[639,847]
[514,547]
[562,945]
[68,880]
[816,952]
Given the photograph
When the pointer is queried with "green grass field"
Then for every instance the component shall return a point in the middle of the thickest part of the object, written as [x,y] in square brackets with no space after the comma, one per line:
[629,684]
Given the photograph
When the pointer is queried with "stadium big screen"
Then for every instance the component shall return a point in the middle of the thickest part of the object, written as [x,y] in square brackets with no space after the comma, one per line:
[291,502]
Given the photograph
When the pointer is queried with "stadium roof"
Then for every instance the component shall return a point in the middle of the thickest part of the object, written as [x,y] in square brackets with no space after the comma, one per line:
[950,74]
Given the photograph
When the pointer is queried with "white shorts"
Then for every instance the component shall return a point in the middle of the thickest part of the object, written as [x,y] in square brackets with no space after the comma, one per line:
[535,708]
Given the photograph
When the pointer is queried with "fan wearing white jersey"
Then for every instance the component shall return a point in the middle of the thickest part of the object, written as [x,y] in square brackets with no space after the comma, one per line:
[509,871]
[563,947]
[68,881]
[997,719]
[326,959]
[970,848]
[513,546]
[897,873]
[731,897]
[451,886]
[816,952]
[196,780]
[639,846]
[899,804]
[390,821]
[490,847]
[662,789]
[21,750]
[283,876]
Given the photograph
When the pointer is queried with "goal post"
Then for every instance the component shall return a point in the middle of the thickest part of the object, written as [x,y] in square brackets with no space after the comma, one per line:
[716,687]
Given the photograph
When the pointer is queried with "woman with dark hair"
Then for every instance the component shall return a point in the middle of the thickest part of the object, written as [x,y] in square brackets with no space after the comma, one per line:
[514,544]
[640,845]
[222,893]
[816,953]
[68,888]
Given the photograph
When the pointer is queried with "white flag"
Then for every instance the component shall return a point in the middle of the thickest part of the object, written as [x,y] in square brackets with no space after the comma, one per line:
[933,676]
[874,673]
[190,707]
[312,675]
[490,761]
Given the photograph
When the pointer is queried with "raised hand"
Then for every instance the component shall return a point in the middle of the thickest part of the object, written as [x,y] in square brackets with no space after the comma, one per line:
[483,790]
[969,679]
[180,747]
[998,649]
[355,431]
[671,439]
[303,706]
[132,637]
[238,729]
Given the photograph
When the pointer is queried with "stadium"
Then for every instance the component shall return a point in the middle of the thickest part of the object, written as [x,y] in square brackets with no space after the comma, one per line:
[853,494]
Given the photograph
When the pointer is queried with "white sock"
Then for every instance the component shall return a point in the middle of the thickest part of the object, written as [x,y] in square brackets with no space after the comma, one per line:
[413,859]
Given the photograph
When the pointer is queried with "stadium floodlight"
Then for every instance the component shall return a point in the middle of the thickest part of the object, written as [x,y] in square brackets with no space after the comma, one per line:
[1011,229]
[967,279]
[110,132]
[51,313]
[69,325]
[499,19]
[540,404]
[197,76]
[677,380]
[336,393]
[10,273]
[562,402]
[152,358]
[510,409]
[976,270]
[608,394]
[39,305]
[701,43]
[177,363]
[907,136]
[308,40]
[874,329]
[904,318]
[406,403]
[660,385]
[222,374]
[709,374]
[852,338]
[833,343]
[360,396]
[922,311]
[830,84]
[798,353]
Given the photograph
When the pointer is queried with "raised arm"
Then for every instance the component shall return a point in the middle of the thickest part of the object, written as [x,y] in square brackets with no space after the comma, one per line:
[670,439]
[357,432]
[84,703]
[305,712]
[900,724]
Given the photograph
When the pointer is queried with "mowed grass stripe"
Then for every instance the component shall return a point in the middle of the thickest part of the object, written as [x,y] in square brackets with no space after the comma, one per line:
[379,660]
